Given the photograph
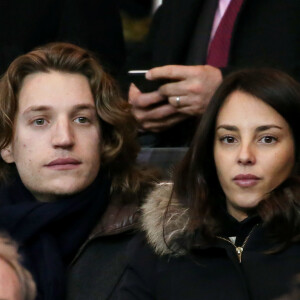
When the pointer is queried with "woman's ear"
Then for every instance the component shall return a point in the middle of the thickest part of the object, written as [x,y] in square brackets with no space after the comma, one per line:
[7,154]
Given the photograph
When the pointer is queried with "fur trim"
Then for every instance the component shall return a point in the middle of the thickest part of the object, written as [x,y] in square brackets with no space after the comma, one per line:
[164,228]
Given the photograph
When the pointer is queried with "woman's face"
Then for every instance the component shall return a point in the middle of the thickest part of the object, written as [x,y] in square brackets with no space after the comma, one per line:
[253,151]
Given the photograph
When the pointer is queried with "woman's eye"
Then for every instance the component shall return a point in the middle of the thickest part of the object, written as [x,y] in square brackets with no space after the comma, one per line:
[268,139]
[39,122]
[81,120]
[228,139]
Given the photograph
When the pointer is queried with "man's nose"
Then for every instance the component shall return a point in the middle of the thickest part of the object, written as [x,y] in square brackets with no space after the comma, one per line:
[246,155]
[62,134]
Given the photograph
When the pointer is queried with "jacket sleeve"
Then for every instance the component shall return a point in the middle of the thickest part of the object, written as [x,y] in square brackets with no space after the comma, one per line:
[139,278]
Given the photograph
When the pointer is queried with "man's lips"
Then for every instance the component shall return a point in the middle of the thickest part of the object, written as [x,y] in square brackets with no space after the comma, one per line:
[63,164]
[246,180]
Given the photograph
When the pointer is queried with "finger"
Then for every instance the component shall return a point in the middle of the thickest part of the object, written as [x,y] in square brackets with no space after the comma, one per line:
[157,113]
[193,108]
[178,101]
[183,87]
[163,124]
[144,100]
[173,89]
[176,72]
[190,104]
[133,92]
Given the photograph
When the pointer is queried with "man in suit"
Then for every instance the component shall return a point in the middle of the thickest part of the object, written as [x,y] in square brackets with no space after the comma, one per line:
[265,33]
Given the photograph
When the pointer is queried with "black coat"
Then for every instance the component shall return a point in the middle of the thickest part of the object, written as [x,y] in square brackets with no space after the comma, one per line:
[92,24]
[99,265]
[211,273]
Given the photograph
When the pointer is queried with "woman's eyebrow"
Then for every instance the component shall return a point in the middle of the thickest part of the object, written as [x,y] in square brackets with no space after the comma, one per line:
[258,129]
[227,127]
[267,127]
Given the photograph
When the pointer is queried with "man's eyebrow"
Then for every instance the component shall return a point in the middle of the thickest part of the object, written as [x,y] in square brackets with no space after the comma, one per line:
[83,107]
[258,129]
[40,108]
[36,108]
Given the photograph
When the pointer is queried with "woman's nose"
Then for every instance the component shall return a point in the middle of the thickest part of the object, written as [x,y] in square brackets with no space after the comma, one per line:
[246,155]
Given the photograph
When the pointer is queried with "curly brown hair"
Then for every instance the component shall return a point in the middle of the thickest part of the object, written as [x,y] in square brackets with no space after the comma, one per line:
[120,147]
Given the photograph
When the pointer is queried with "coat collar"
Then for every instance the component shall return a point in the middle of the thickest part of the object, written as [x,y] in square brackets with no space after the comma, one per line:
[164,229]
[117,218]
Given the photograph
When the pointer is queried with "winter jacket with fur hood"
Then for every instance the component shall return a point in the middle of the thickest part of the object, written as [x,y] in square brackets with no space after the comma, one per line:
[160,269]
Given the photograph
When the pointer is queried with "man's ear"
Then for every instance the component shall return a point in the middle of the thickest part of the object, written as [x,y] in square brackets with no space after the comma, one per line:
[7,154]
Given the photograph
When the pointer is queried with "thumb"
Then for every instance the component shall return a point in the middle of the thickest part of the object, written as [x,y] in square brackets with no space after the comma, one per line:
[133,93]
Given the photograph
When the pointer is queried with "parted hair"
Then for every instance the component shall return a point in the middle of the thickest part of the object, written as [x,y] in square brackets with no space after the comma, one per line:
[119,145]
[196,183]
[9,253]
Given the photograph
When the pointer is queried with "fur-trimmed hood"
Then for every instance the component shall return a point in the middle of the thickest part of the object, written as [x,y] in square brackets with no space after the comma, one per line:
[163,228]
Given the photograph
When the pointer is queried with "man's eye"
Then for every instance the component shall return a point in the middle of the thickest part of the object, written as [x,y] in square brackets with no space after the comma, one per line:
[81,120]
[268,139]
[228,139]
[39,122]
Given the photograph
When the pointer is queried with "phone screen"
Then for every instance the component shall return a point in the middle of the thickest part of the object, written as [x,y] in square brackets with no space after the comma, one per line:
[143,84]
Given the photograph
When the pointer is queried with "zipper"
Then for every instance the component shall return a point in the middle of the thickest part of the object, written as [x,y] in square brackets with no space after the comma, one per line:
[78,253]
[238,250]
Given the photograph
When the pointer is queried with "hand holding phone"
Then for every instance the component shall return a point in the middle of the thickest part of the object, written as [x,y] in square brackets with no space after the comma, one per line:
[143,84]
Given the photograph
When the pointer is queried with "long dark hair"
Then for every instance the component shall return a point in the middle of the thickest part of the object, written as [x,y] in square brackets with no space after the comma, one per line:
[199,189]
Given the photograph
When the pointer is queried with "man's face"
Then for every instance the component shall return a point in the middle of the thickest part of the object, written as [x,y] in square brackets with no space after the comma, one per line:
[56,143]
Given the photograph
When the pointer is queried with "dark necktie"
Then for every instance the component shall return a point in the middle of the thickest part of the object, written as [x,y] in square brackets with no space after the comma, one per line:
[218,51]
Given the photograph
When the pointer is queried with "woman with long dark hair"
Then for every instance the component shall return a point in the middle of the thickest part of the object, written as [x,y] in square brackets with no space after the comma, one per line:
[229,225]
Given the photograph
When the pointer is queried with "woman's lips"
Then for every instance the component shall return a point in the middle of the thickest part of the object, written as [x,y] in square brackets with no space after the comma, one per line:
[246,180]
[63,164]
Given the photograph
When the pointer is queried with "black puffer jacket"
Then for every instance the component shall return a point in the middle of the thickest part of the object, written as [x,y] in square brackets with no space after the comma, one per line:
[211,273]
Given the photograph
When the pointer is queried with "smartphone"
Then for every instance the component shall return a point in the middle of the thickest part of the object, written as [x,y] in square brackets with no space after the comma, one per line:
[143,84]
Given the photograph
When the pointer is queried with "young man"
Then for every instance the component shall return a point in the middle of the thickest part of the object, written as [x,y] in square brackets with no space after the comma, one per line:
[71,203]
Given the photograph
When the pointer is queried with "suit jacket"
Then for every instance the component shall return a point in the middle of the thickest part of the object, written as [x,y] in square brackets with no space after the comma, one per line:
[266,34]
